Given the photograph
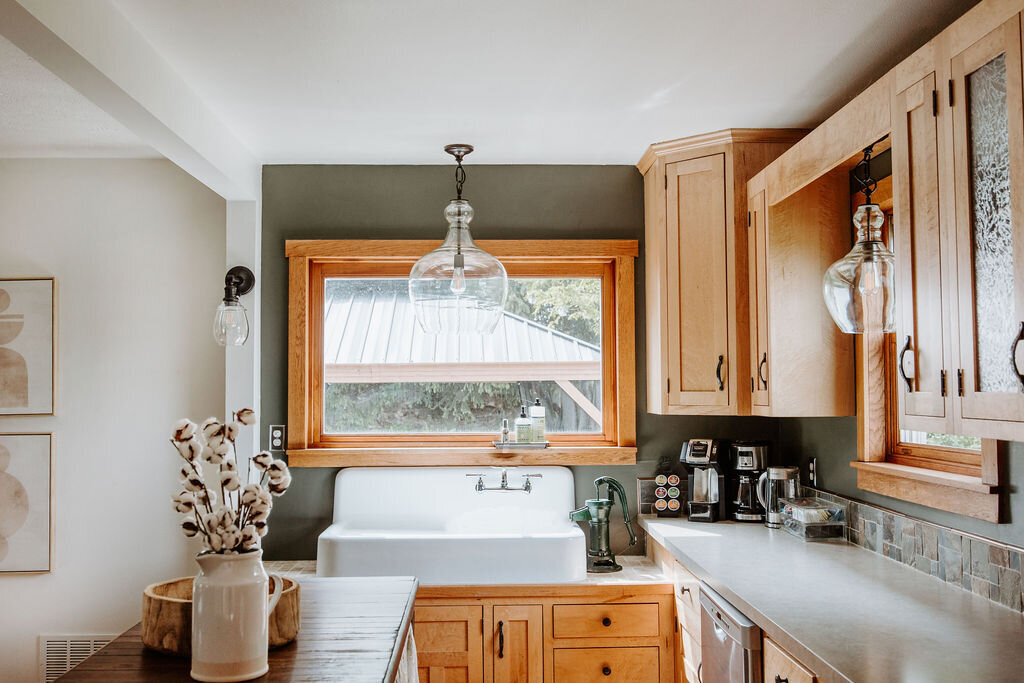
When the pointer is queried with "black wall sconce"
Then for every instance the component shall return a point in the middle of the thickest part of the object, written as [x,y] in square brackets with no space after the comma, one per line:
[230,322]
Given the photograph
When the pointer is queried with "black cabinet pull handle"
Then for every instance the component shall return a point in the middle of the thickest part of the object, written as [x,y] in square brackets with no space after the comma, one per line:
[1013,356]
[780,679]
[760,367]
[906,347]
[683,590]
[606,621]
[606,671]
[699,679]
[718,373]
[501,640]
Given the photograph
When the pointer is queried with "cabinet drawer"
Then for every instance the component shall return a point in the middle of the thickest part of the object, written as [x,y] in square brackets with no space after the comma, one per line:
[606,621]
[600,664]
[687,599]
[780,666]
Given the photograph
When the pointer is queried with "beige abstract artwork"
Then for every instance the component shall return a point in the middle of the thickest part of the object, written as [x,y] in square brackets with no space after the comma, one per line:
[25,478]
[26,347]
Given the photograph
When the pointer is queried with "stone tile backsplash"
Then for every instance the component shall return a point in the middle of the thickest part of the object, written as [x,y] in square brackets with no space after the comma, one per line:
[987,568]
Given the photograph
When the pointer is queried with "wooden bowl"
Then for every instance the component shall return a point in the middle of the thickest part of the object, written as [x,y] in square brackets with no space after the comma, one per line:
[167,616]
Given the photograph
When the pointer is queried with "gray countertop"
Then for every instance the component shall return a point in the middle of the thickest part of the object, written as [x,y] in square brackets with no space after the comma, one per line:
[847,613]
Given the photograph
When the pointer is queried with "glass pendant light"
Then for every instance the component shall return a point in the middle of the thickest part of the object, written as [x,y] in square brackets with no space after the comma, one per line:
[458,287]
[230,322]
[858,288]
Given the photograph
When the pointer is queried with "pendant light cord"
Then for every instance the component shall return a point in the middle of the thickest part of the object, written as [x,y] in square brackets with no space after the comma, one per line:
[460,179]
[862,171]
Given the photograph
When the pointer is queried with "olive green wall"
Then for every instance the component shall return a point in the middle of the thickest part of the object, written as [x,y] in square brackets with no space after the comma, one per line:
[406,202]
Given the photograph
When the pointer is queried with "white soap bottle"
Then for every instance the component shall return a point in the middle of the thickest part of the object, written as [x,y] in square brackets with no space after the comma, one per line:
[538,421]
[523,427]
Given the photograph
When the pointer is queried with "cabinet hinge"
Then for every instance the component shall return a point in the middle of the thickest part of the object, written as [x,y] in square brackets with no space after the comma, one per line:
[935,102]
[666,181]
[751,385]
[668,385]
[748,219]
[676,624]
[951,92]
[942,382]
[481,626]
[960,382]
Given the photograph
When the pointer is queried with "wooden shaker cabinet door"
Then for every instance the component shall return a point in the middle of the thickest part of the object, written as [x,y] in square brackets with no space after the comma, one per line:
[757,265]
[449,644]
[988,149]
[698,282]
[922,337]
[518,644]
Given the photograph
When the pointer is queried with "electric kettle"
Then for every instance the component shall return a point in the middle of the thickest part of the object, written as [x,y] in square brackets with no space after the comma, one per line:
[598,511]
[773,485]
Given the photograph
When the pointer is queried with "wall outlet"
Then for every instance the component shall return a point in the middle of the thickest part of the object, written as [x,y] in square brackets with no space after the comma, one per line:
[277,437]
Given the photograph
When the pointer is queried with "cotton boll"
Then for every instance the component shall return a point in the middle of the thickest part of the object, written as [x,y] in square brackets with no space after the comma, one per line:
[229,480]
[184,430]
[250,494]
[184,501]
[210,427]
[215,543]
[189,526]
[246,416]
[228,465]
[259,515]
[250,538]
[211,456]
[279,486]
[230,538]
[232,430]
[262,460]
[206,497]
[192,479]
[277,467]
[261,527]
[265,498]
[223,450]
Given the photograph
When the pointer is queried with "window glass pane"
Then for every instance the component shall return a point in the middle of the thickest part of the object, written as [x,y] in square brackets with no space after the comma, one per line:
[972,443]
[384,375]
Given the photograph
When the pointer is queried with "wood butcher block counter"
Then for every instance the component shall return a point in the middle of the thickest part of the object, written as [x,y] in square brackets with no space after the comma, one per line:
[352,629]
[847,613]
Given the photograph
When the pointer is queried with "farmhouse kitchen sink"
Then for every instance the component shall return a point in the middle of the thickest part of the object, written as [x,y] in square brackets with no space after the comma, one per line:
[433,523]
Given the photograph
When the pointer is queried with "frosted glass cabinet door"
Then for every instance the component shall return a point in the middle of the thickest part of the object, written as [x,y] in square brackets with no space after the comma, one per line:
[988,141]
[922,336]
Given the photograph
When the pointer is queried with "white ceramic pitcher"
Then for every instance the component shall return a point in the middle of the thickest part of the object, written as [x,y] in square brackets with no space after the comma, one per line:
[230,617]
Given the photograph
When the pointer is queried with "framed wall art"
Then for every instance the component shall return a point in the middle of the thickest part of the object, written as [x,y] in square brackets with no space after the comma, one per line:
[26,502]
[26,346]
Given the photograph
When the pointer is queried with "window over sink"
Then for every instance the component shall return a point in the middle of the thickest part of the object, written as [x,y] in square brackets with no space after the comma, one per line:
[368,386]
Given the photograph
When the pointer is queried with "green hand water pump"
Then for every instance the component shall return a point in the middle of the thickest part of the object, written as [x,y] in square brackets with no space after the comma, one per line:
[597,511]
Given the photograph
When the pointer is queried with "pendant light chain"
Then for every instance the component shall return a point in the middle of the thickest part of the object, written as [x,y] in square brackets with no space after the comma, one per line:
[862,172]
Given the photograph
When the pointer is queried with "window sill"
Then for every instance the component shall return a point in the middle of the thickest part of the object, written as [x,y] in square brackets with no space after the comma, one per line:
[955,493]
[423,457]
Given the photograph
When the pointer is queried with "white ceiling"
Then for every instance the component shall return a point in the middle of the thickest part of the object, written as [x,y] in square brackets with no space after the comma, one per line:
[533,81]
[42,116]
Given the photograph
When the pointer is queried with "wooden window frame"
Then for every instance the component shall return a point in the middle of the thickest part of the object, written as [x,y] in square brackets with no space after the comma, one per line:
[952,479]
[311,261]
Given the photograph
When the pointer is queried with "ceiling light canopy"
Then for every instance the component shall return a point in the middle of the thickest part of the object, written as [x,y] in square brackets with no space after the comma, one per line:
[458,287]
[858,288]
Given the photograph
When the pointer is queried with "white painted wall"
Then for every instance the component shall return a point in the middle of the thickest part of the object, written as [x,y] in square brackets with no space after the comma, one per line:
[137,248]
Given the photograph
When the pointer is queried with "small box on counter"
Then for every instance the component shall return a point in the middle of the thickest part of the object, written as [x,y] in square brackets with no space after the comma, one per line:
[814,519]
[661,495]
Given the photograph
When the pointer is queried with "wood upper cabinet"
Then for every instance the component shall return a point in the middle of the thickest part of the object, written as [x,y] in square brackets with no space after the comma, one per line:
[449,643]
[922,329]
[696,260]
[958,170]
[988,160]
[800,363]
[518,644]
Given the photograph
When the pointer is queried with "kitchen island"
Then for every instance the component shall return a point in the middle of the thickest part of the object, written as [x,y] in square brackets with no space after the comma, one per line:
[844,612]
[351,629]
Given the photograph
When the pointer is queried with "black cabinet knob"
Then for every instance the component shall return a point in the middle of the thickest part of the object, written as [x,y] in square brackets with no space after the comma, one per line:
[606,671]
[606,621]
[780,679]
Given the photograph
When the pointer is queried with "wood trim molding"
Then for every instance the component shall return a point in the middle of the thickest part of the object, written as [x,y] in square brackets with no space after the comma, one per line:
[549,250]
[719,137]
[459,456]
[956,493]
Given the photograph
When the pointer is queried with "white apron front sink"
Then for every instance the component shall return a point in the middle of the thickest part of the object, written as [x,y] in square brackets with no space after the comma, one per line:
[431,523]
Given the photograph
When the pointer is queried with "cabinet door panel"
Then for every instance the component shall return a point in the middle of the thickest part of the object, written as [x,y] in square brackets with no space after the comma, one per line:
[449,644]
[988,140]
[917,243]
[518,644]
[757,264]
[698,282]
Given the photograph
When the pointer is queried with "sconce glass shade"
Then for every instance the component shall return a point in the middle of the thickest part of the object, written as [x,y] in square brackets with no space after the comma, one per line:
[858,288]
[230,324]
[458,287]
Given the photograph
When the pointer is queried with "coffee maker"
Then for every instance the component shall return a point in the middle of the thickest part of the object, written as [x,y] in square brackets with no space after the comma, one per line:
[705,463]
[748,460]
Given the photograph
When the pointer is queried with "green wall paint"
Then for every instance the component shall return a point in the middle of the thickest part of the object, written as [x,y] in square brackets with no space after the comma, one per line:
[406,202]
[516,202]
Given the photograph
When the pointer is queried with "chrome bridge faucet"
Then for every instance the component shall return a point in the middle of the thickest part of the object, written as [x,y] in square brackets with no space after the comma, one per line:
[527,486]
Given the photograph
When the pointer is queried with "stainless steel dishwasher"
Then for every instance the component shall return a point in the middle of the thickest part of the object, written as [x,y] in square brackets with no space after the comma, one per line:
[731,643]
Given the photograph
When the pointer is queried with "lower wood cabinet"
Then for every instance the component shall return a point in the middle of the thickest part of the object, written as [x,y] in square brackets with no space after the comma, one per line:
[781,667]
[530,634]
[619,664]
[449,643]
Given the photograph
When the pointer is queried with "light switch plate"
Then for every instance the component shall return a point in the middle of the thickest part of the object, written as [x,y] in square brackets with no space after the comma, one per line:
[277,437]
